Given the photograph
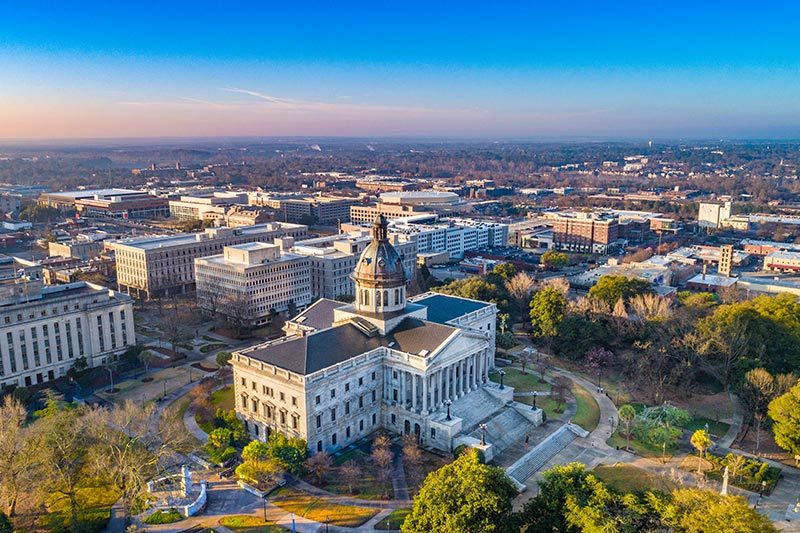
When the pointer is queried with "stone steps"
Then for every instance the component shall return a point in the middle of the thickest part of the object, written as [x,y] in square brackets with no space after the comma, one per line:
[475,408]
[535,459]
[504,429]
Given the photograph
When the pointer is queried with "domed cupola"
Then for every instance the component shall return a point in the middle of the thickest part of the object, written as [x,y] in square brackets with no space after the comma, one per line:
[379,276]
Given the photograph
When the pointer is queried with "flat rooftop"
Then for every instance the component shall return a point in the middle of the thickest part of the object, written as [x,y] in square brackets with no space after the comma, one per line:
[443,308]
[166,241]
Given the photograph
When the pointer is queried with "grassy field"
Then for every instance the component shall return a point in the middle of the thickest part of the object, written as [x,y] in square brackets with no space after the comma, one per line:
[94,508]
[639,448]
[627,478]
[718,429]
[249,524]
[588,414]
[527,382]
[314,508]
[393,520]
[543,402]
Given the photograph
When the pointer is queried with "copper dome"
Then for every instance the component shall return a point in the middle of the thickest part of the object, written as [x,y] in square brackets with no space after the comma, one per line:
[380,264]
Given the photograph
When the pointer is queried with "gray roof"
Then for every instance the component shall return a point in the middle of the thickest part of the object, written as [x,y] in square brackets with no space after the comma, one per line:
[443,308]
[322,349]
[319,315]
[413,335]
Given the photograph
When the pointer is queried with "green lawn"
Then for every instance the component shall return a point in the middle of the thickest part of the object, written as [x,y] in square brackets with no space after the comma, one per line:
[249,524]
[369,486]
[320,510]
[94,508]
[627,478]
[588,414]
[393,520]
[639,448]
[716,428]
[543,402]
[521,382]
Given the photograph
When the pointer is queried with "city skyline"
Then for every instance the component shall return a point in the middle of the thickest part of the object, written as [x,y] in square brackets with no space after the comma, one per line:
[511,71]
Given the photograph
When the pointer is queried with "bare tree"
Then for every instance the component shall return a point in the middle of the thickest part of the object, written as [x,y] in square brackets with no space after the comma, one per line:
[412,455]
[383,458]
[757,391]
[559,389]
[524,359]
[236,308]
[319,464]
[177,325]
[17,453]
[351,473]
[128,450]
[520,288]
[650,307]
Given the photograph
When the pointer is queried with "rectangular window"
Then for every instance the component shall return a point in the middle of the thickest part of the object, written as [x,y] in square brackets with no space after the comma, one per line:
[360,381]
[319,421]
[347,408]
[374,419]
[333,393]
[333,415]
[316,400]
[361,425]
[333,439]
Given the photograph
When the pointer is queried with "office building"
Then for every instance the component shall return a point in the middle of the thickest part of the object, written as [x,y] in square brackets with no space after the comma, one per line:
[591,232]
[208,207]
[250,283]
[306,208]
[782,261]
[44,330]
[713,214]
[162,265]
[333,259]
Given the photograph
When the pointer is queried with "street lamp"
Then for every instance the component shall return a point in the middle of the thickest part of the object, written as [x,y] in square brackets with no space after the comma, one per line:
[483,434]
[502,373]
[664,452]
[534,400]
[448,403]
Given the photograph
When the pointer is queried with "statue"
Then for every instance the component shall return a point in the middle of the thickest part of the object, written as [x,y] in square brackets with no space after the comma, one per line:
[725,474]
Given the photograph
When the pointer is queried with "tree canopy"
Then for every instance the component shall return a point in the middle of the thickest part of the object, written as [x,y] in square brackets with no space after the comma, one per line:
[785,414]
[611,289]
[547,310]
[464,495]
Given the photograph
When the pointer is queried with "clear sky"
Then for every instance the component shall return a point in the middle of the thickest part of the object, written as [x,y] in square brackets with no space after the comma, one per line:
[535,69]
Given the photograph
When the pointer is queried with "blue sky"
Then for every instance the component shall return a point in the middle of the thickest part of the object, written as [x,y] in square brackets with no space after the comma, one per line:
[451,69]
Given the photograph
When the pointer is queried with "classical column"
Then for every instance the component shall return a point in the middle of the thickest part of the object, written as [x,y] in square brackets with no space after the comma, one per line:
[413,392]
[402,375]
[447,386]
[474,358]
[425,379]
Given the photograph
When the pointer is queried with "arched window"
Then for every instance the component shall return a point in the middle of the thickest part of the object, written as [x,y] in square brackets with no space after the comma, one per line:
[396,296]
[377,298]
[386,297]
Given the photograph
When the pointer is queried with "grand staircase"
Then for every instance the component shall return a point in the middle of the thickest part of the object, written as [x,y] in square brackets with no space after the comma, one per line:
[474,408]
[503,429]
[531,462]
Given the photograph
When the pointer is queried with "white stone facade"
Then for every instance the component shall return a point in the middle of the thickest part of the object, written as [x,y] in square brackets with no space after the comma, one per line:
[41,339]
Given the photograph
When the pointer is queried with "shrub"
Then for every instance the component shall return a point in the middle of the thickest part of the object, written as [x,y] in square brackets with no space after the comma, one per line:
[164,517]
[505,340]
[463,448]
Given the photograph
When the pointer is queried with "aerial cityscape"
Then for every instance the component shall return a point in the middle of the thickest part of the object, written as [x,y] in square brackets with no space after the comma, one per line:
[418,268]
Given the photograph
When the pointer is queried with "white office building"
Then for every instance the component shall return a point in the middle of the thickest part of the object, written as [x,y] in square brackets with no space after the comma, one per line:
[333,259]
[252,282]
[713,214]
[44,330]
[453,235]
